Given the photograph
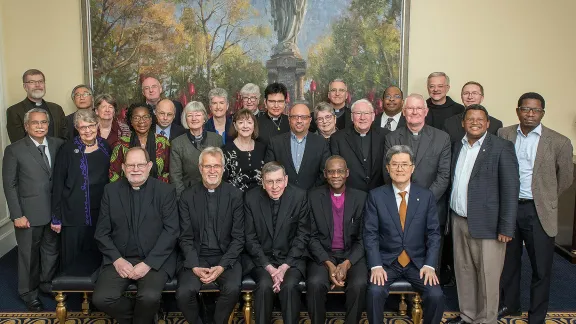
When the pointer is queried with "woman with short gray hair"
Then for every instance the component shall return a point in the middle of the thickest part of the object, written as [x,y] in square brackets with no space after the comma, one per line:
[80,174]
[251,98]
[186,148]
[325,119]
[220,122]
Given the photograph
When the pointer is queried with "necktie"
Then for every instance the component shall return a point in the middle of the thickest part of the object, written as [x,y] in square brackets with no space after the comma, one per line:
[44,157]
[163,133]
[388,125]
[403,258]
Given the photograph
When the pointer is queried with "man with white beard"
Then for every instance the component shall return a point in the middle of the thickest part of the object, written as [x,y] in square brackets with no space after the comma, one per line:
[35,87]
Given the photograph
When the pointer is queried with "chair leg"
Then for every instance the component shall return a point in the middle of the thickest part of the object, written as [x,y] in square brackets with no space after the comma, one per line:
[417,309]
[231,318]
[61,313]
[402,307]
[247,307]
[85,304]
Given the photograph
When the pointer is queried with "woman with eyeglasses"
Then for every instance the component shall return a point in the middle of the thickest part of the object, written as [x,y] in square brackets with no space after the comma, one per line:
[325,118]
[244,155]
[109,127]
[186,148]
[80,174]
[142,124]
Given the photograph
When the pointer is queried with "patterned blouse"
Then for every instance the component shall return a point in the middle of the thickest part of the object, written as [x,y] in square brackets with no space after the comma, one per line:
[243,169]
[121,148]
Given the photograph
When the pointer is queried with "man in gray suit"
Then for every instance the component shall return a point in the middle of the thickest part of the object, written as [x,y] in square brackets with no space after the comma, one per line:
[483,208]
[27,178]
[431,148]
[546,171]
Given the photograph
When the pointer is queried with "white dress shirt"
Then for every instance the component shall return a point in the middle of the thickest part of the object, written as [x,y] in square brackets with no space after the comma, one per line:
[393,123]
[46,151]
[526,147]
[464,166]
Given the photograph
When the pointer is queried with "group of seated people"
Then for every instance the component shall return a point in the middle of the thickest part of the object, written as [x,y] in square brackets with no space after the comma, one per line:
[335,197]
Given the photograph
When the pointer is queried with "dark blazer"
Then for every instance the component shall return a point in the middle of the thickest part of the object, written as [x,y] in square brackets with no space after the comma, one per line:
[176,130]
[342,143]
[158,229]
[432,167]
[289,242]
[378,121]
[384,239]
[230,225]
[453,126]
[345,120]
[493,188]
[268,129]
[28,181]
[315,155]
[322,224]
[15,119]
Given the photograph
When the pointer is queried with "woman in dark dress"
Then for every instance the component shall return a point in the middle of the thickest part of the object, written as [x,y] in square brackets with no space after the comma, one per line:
[80,174]
[244,156]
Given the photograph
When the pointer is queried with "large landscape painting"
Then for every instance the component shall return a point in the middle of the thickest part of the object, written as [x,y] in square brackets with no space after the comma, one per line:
[192,46]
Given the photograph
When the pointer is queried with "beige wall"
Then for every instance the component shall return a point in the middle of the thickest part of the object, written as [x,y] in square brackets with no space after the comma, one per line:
[510,47]
[45,35]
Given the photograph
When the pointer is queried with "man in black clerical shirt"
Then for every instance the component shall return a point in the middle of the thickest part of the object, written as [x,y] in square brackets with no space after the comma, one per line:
[211,239]
[362,146]
[136,232]
[336,244]
[337,96]
[277,235]
[274,121]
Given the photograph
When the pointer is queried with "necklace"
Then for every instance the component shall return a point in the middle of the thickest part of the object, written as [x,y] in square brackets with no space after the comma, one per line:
[279,122]
[89,145]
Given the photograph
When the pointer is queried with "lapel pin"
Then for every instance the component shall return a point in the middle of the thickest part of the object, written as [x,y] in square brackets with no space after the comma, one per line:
[417,199]
[483,150]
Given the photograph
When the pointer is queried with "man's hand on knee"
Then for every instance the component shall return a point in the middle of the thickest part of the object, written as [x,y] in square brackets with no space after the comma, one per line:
[378,276]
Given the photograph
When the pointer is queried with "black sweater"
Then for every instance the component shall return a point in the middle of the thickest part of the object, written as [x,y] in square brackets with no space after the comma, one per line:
[438,114]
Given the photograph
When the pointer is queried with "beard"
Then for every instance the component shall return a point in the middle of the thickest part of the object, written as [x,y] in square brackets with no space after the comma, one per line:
[37,93]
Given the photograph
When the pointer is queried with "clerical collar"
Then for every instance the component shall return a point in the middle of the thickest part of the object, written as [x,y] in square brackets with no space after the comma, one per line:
[210,190]
[37,104]
[361,135]
[142,186]
[337,194]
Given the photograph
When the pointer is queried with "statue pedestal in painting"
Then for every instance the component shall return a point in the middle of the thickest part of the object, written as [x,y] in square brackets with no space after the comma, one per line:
[288,68]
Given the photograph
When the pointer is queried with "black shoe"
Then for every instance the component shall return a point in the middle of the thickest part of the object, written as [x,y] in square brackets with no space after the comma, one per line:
[456,320]
[35,305]
[505,311]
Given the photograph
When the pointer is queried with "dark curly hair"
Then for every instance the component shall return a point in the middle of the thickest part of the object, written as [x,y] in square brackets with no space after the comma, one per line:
[131,111]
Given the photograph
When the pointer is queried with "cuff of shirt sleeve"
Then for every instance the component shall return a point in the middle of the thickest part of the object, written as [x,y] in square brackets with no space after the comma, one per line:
[56,221]
[430,267]
[376,267]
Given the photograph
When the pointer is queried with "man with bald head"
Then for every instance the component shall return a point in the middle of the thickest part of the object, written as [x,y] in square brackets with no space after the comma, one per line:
[472,94]
[391,118]
[165,114]
[152,91]
[302,153]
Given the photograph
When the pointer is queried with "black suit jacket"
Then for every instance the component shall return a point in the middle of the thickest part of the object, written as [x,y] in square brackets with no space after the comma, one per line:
[288,243]
[176,130]
[345,120]
[378,121]
[384,238]
[15,119]
[342,143]
[315,155]
[432,167]
[230,225]
[493,188]
[158,229]
[453,126]
[322,224]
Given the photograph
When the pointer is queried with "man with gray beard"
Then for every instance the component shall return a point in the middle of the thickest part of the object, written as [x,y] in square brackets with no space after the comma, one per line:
[35,87]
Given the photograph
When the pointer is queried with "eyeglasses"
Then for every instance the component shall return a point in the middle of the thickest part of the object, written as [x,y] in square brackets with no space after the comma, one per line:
[248,99]
[340,172]
[473,93]
[144,118]
[526,110]
[152,87]
[34,82]
[38,122]
[299,117]
[276,182]
[402,166]
[324,119]
[416,109]
[275,102]
[334,90]
[362,113]
[212,167]
[388,97]
[83,95]
[87,127]
[138,166]
[164,114]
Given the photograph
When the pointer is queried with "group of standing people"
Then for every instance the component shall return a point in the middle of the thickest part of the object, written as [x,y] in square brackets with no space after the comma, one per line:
[361,202]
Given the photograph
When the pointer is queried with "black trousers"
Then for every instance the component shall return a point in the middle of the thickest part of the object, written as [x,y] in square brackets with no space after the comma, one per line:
[229,284]
[289,296]
[37,259]
[318,284]
[109,295]
[540,249]
[432,296]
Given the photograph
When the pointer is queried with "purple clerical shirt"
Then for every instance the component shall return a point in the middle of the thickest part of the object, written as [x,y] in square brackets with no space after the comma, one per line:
[338,216]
